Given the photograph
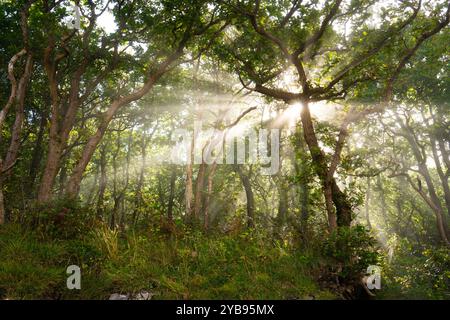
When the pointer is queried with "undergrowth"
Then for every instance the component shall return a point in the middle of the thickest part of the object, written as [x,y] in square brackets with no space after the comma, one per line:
[182,262]
[189,265]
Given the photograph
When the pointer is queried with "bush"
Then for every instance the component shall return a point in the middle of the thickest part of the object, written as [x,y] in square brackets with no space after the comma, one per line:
[61,219]
[417,273]
[349,251]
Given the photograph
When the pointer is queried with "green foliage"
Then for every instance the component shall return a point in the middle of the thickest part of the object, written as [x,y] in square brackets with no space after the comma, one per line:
[28,268]
[351,251]
[417,273]
[60,219]
[190,265]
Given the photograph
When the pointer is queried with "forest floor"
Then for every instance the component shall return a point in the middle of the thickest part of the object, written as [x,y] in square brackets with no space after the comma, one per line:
[188,265]
[191,266]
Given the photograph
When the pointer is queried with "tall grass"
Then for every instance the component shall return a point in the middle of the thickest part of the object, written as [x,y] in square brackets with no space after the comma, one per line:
[190,265]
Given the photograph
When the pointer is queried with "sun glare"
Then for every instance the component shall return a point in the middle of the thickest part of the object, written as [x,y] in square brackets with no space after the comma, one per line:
[324,111]
[289,116]
[293,113]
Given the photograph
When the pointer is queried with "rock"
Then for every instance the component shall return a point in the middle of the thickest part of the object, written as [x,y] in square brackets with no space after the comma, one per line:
[118,296]
[143,295]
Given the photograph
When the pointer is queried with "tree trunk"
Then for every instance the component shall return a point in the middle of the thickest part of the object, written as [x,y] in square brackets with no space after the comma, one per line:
[93,191]
[367,204]
[116,193]
[37,155]
[383,202]
[200,183]
[102,184]
[62,179]
[17,99]
[212,171]
[127,181]
[436,142]
[2,205]
[434,204]
[50,171]
[173,178]
[138,200]
[301,173]
[282,202]
[73,187]
[442,176]
[15,143]
[2,199]
[161,198]
[249,195]
[331,212]
[13,95]
[189,194]
[433,200]
[60,123]
[337,204]
[304,200]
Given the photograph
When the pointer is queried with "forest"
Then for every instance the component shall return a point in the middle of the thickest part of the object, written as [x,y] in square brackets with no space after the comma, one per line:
[224,149]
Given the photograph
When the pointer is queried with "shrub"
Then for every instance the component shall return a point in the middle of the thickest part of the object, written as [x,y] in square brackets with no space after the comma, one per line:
[349,251]
[61,219]
[420,273]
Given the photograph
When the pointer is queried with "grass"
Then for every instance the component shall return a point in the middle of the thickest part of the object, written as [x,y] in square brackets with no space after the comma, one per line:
[190,265]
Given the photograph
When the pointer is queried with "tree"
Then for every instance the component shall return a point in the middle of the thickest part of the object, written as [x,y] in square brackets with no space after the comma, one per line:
[273,41]
[16,100]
